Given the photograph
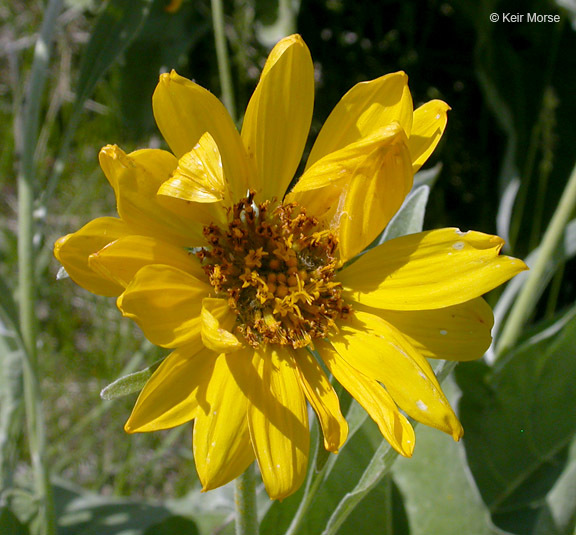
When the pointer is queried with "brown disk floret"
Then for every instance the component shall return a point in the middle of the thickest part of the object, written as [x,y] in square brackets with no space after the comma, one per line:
[276,269]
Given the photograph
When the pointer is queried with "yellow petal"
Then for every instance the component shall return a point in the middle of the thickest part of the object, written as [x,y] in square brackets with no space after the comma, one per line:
[460,332]
[429,270]
[199,176]
[181,216]
[359,188]
[366,108]
[184,111]
[379,351]
[166,303]
[222,448]
[323,400]
[393,425]
[338,168]
[73,251]
[376,192]
[121,259]
[137,177]
[429,123]
[175,391]
[277,418]
[217,319]
[278,116]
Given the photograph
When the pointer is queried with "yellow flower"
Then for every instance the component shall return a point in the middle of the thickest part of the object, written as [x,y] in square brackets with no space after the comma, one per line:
[251,286]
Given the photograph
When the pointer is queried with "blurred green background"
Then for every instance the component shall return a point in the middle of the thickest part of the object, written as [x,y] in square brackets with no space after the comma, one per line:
[503,164]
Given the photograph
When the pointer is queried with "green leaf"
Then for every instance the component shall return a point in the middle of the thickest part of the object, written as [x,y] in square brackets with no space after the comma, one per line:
[164,40]
[213,512]
[9,523]
[410,218]
[519,419]
[440,498]
[173,525]
[8,309]
[133,382]
[116,27]
[24,506]
[90,514]
[506,207]
[11,404]
[559,515]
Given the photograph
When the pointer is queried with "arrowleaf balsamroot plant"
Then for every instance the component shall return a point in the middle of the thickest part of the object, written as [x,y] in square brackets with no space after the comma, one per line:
[259,288]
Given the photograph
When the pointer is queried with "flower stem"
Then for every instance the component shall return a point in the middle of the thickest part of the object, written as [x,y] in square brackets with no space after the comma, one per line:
[528,296]
[222,57]
[245,498]
[27,264]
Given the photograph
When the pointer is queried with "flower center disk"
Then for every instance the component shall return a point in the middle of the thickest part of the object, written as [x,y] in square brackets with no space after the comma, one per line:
[276,268]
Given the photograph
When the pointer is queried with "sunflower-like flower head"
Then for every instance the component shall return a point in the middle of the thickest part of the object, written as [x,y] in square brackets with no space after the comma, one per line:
[249,282]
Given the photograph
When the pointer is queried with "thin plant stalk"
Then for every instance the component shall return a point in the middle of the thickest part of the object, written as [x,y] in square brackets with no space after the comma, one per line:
[26,267]
[245,498]
[528,296]
[222,57]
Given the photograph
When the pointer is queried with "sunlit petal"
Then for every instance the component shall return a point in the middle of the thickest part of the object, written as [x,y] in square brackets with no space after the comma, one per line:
[379,351]
[222,448]
[199,176]
[374,171]
[367,107]
[393,425]
[277,418]
[137,177]
[459,332]
[429,123]
[359,188]
[176,390]
[74,250]
[184,111]
[217,319]
[121,259]
[284,96]
[429,270]
[166,303]
[323,400]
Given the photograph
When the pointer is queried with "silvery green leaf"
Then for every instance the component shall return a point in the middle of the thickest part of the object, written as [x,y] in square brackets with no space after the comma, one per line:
[133,382]
[506,207]
[427,177]
[410,218]
[11,412]
[62,274]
